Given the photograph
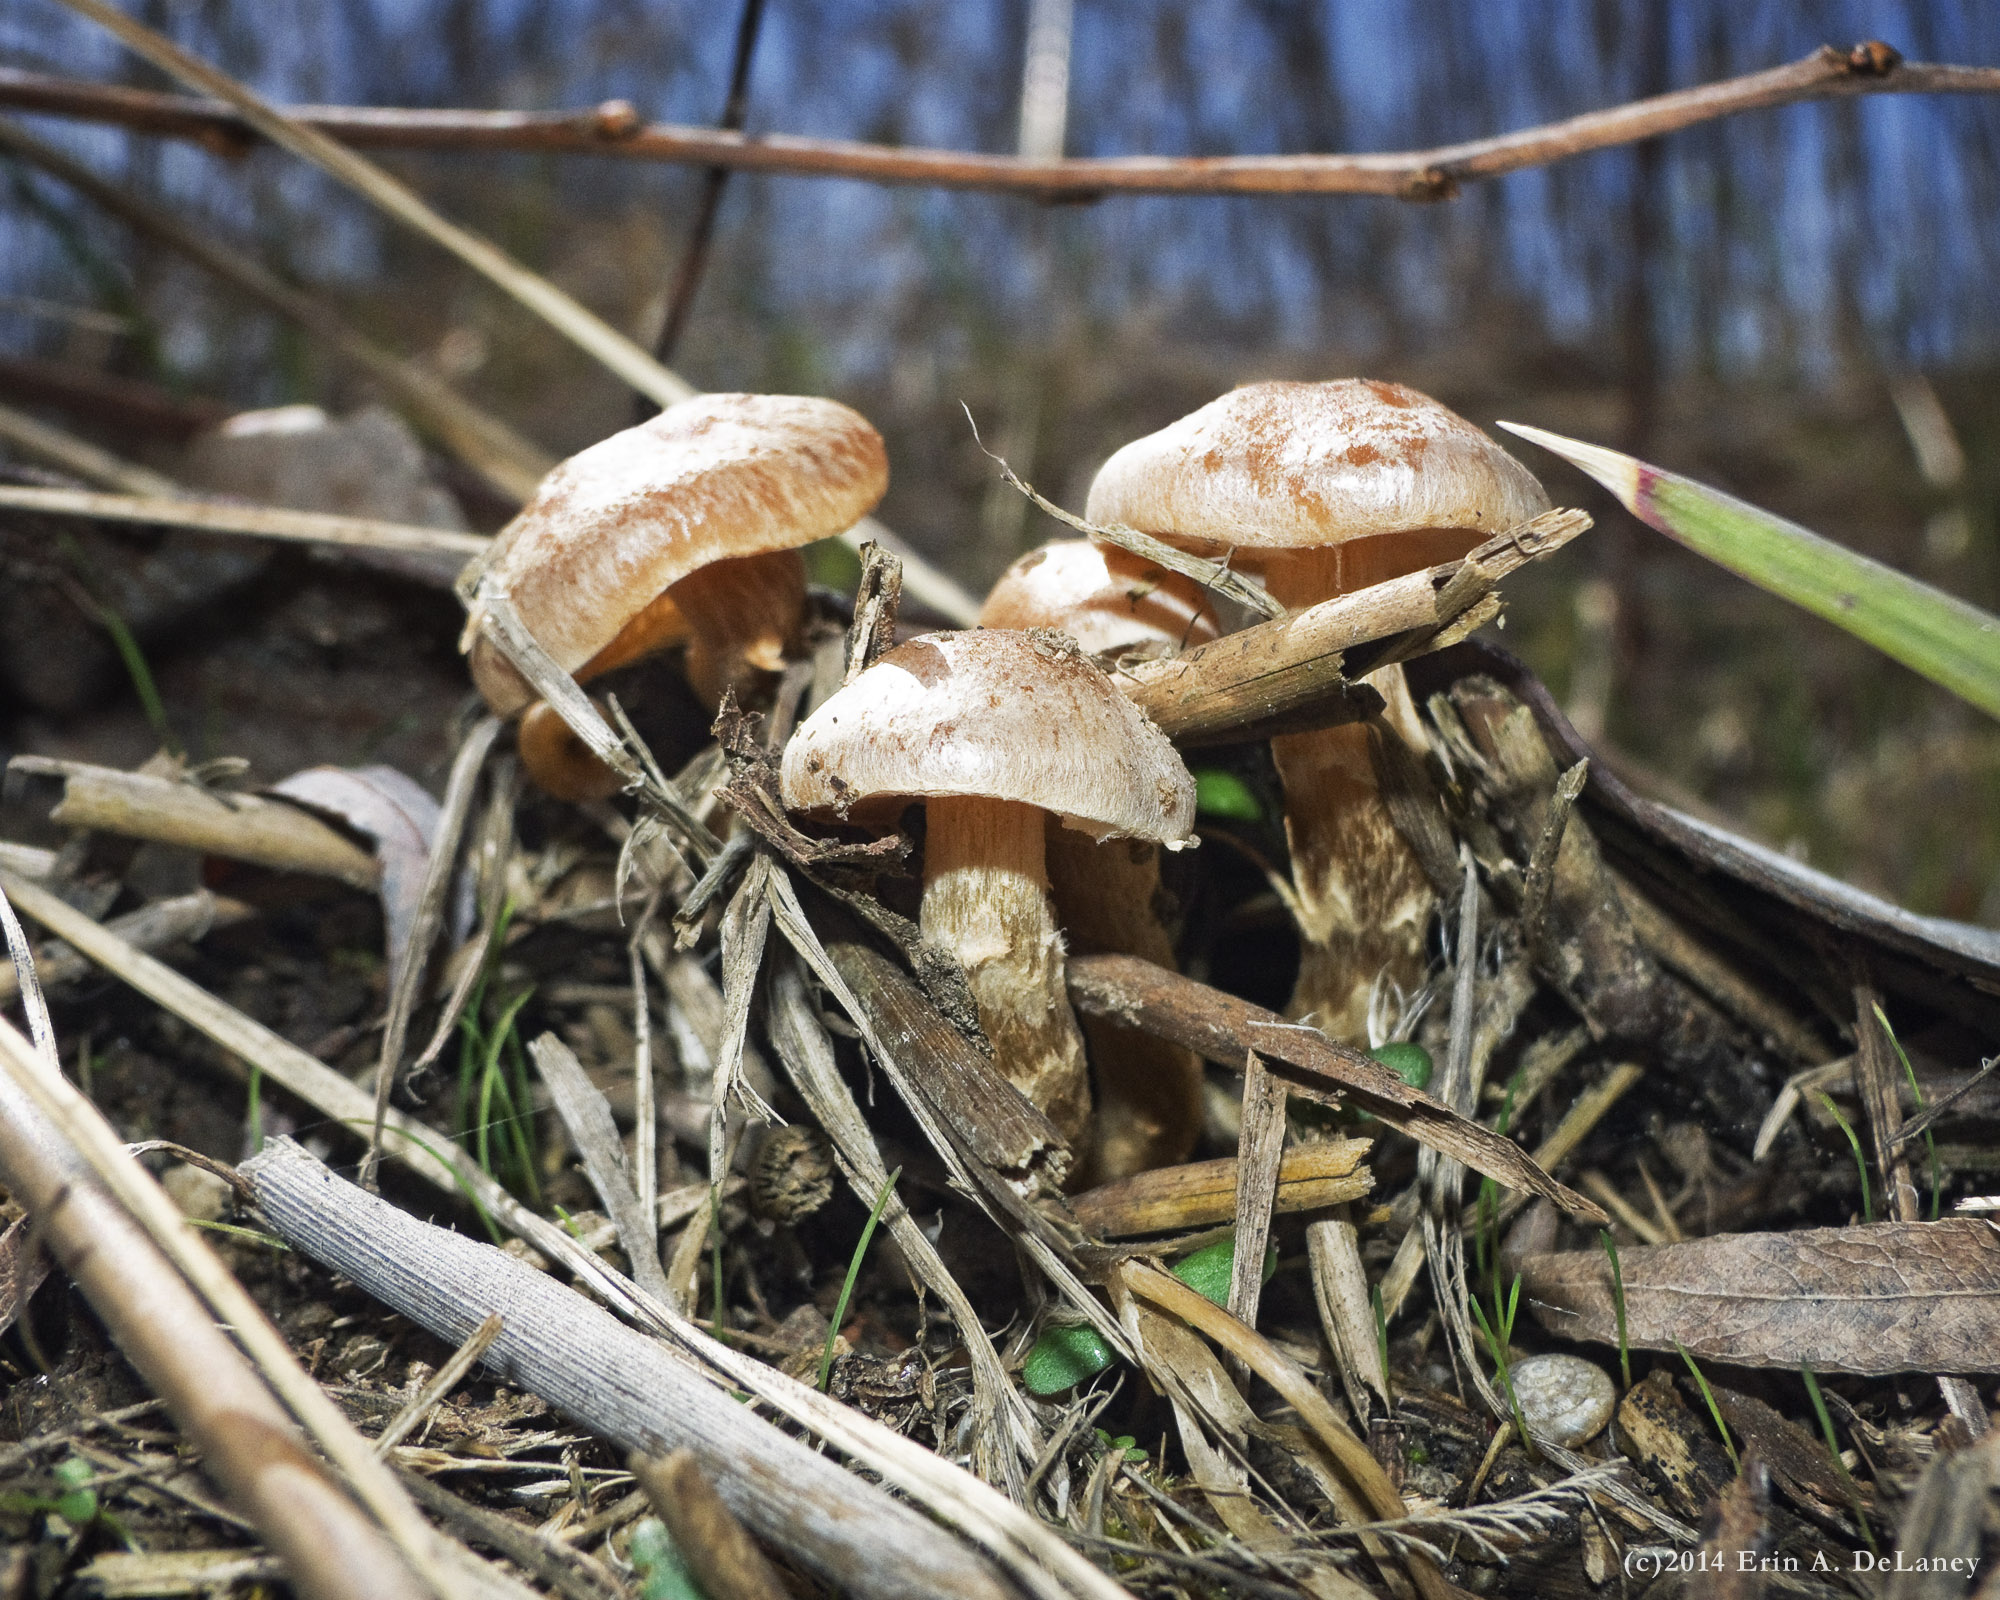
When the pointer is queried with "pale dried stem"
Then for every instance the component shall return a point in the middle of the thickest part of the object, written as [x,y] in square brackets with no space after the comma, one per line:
[247,1441]
[258,522]
[243,827]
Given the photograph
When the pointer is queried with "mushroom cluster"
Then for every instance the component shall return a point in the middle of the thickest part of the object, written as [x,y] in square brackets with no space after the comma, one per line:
[1046,792]
[1321,489]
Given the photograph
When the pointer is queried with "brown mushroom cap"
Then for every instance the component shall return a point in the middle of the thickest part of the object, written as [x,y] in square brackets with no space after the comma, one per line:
[1296,465]
[1070,585]
[998,715]
[615,526]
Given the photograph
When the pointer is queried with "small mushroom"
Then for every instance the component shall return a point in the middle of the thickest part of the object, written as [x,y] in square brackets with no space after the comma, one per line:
[1322,489]
[1149,1092]
[1109,601]
[687,527]
[992,729]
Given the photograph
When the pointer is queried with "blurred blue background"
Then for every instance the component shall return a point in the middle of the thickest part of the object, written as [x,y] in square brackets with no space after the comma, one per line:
[1782,302]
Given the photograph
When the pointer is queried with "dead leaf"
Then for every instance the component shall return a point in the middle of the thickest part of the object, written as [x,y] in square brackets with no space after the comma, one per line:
[1881,1298]
[396,813]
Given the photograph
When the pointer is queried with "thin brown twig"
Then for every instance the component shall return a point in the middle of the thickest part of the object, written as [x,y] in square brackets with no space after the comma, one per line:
[614,129]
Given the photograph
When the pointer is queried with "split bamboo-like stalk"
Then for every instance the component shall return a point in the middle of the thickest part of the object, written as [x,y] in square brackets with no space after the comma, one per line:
[331,1550]
[616,1381]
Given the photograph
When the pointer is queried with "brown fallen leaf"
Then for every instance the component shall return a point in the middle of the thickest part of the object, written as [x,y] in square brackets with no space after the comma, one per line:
[1871,1300]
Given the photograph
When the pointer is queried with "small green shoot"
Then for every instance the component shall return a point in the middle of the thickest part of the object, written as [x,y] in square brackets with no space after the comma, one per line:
[1860,1162]
[1382,1344]
[1618,1304]
[853,1272]
[1223,794]
[253,1235]
[657,1562]
[1499,1334]
[1833,1449]
[76,1502]
[123,641]
[1948,641]
[1910,1072]
[1124,1444]
[1714,1410]
[1070,1353]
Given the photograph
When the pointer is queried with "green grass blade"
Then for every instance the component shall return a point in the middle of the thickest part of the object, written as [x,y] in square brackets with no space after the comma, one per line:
[1949,642]
[853,1272]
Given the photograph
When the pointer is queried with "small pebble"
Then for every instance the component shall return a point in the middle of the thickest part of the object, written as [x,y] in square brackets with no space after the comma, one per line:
[1565,1399]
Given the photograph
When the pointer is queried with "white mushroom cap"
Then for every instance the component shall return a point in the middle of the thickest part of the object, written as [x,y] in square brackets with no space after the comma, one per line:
[1068,585]
[999,715]
[1297,465]
[717,476]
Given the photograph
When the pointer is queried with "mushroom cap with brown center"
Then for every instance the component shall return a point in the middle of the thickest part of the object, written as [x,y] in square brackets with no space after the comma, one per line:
[992,714]
[717,476]
[1299,465]
[1103,603]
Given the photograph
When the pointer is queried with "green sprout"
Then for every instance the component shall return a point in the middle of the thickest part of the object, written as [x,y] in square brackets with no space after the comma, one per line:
[1499,1334]
[75,1501]
[1714,1410]
[1618,1304]
[656,1560]
[1070,1353]
[1910,1072]
[1860,1164]
[847,1288]
[1833,1449]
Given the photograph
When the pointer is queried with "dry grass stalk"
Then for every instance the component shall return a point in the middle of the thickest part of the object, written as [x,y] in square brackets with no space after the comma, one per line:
[440,1383]
[1223,1028]
[1293,673]
[1200,1194]
[1880,1081]
[1260,1150]
[721,1555]
[800,1039]
[615,129]
[260,522]
[163,1291]
[586,1116]
[407,981]
[1284,1375]
[138,805]
[507,462]
[1340,1291]
[152,927]
[63,449]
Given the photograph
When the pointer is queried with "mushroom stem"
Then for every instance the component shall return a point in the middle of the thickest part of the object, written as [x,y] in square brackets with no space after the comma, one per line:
[1149,1107]
[1364,900]
[986,901]
[743,615]
[558,761]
